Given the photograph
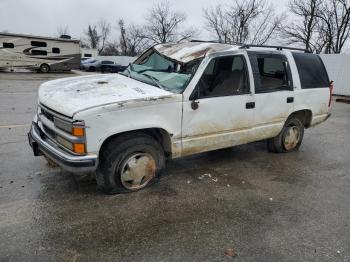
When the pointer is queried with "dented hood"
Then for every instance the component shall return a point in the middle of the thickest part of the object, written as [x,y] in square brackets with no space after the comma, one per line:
[69,96]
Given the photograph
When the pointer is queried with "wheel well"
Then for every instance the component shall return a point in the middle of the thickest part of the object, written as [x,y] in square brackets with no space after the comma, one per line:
[159,134]
[45,65]
[305,116]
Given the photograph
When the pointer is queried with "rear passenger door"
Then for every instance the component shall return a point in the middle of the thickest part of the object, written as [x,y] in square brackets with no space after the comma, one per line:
[274,96]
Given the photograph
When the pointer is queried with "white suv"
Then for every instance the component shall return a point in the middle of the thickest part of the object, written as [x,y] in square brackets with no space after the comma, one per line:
[177,100]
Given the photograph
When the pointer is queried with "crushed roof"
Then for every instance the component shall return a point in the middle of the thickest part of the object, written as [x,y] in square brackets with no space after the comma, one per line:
[188,51]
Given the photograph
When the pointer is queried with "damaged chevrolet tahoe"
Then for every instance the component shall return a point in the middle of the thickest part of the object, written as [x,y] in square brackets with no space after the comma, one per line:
[177,100]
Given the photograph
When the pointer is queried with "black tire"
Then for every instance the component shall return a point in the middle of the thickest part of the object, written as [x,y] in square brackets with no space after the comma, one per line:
[44,68]
[114,157]
[282,143]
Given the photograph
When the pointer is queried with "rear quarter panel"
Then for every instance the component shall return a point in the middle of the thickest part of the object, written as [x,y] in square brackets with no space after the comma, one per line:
[316,100]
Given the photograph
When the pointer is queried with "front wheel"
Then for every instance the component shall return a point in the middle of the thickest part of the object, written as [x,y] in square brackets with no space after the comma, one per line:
[289,139]
[44,68]
[129,163]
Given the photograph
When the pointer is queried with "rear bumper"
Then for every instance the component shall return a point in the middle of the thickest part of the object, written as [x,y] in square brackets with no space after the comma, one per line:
[69,162]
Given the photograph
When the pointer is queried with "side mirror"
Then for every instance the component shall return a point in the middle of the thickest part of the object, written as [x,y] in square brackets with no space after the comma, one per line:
[194,104]
[194,97]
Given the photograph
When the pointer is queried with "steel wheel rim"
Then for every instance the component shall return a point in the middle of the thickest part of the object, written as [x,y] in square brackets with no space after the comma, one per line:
[291,138]
[137,171]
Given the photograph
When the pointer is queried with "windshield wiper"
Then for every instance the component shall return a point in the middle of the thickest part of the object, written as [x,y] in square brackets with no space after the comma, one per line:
[155,80]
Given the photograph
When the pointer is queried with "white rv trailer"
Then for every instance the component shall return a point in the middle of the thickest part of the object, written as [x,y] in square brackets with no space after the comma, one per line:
[38,53]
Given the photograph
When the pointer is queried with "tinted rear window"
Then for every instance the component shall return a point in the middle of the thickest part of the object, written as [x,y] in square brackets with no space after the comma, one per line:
[311,70]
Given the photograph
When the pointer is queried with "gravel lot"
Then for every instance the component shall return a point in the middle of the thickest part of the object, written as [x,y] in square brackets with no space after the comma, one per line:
[267,207]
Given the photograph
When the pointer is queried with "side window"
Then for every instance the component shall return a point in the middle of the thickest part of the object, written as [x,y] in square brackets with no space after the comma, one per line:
[39,52]
[56,50]
[273,73]
[8,45]
[38,43]
[224,76]
[312,71]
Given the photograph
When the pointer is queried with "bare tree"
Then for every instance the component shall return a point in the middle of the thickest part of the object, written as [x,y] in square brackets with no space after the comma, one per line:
[164,25]
[136,41]
[62,30]
[306,29]
[131,40]
[97,35]
[123,38]
[92,36]
[243,21]
[104,33]
[335,16]
[217,23]
[111,48]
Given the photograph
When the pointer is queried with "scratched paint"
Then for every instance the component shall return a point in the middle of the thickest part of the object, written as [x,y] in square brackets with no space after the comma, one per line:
[186,52]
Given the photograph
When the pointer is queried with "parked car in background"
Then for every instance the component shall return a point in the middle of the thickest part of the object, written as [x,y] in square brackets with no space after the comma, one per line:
[111,67]
[177,100]
[91,65]
[97,65]
[86,60]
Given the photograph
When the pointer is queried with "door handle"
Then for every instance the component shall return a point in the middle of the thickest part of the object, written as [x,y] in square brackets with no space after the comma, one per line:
[290,99]
[250,105]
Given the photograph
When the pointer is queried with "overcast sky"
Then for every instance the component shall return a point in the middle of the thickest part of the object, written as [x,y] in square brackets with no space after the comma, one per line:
[42,17]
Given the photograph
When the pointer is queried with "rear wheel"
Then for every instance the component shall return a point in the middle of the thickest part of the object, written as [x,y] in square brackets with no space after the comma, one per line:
[129,163]
[290,137]
[44,68]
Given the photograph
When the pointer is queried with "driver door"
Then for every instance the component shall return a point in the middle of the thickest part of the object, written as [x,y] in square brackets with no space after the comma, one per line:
[220,111]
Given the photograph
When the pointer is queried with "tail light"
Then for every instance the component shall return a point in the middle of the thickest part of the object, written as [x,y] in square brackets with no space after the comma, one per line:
[331,88]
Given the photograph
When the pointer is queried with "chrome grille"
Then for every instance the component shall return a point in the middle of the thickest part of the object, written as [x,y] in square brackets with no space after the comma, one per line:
[47,114]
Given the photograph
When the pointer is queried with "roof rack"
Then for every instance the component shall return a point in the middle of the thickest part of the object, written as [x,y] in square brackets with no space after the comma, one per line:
[216,41]
[205,41]
[247,46]
[280,48]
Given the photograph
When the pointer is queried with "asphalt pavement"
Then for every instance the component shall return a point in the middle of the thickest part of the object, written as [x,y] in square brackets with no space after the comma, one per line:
[243,201]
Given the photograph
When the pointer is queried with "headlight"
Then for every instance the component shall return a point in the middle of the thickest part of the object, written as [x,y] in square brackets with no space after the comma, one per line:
[63,125]
[78,148]
[64,142]
[76,129]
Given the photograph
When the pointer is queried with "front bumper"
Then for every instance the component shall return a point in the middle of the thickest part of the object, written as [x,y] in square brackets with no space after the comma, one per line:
[69,162]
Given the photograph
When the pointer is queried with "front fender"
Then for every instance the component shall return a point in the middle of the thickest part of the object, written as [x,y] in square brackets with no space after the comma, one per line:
[103,123]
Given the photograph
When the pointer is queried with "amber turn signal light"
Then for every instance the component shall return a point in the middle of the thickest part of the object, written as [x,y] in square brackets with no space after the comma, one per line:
[78,131]
[79,148]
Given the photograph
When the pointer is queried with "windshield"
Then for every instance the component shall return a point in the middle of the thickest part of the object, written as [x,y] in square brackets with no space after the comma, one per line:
[161,72]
